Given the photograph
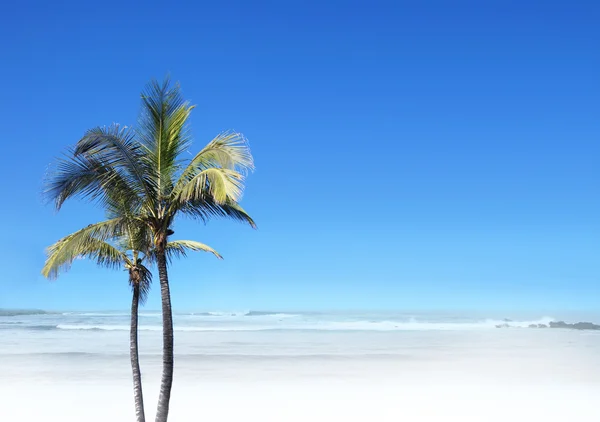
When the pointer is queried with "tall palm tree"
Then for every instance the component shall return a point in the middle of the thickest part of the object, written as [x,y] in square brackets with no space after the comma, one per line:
[129,251]
[147,169]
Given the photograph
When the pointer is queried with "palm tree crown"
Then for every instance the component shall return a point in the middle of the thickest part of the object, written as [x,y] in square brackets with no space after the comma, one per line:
[144,169]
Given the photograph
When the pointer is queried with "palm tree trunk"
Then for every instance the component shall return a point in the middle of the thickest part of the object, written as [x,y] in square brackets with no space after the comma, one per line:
[164,397]
[133,352]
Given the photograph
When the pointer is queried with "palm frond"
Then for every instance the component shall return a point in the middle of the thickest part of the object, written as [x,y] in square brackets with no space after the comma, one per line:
[72,177]
[90,242]
[117,148]
[204,210]
[228,150]
[163,132]
[86,177]
[180,248]
[219,185]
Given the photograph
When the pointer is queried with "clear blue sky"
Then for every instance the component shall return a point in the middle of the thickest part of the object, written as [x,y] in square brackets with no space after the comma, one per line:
[410,155]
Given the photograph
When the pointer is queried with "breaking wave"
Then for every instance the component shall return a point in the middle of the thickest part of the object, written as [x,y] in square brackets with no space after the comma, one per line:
[411,325]
[266,313]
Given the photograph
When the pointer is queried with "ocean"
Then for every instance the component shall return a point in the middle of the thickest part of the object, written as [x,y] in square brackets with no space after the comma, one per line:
[257,365]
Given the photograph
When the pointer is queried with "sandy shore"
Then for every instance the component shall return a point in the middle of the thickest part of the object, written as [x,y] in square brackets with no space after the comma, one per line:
[322,400]
[314,390]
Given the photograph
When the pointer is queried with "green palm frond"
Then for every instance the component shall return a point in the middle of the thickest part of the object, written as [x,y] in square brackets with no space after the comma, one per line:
[218,184]
[104,230]
[179,248]
[86,177]
[117,148]
[74,176]
[163,132]
[205,210]
[93,242]
[228,150]
[85,243]
[235,211]
[215,174]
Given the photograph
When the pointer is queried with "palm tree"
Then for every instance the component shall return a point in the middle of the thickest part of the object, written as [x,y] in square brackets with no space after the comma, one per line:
[146,169]
[129,251]
[83,244]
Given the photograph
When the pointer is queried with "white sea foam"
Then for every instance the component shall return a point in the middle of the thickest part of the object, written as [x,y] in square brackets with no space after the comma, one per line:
[311,325]
[107,327]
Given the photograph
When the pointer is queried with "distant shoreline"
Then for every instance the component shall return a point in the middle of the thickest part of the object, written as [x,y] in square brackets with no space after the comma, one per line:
[20,312]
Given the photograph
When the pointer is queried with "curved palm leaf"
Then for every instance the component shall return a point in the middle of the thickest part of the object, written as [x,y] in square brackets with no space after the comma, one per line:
[117,148]
[204,210]
[81,244]
[179,248]
[88,243]
[87,177]
[163,132]
[220,184]
[228,150]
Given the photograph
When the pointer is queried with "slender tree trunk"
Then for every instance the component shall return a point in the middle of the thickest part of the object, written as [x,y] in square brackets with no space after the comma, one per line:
[162,412]
[133,352]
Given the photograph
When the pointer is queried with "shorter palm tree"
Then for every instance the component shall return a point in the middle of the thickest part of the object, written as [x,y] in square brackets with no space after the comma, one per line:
[128,251]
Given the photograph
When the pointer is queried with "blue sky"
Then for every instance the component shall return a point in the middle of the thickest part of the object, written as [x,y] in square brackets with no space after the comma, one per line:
[410,155]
